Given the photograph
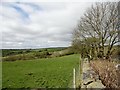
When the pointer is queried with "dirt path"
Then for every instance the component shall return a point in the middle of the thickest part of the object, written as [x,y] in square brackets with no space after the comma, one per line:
[89,78]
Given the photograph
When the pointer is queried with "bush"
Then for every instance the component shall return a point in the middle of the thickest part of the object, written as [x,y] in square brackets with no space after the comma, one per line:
[62,53]
[106,71]
[18,57]
[43,54]
[10,58]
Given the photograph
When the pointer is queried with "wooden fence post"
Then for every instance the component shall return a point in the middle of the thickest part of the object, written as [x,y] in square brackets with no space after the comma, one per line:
[74,78]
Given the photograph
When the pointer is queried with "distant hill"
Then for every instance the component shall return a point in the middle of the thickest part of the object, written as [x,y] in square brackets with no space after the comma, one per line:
[9,52]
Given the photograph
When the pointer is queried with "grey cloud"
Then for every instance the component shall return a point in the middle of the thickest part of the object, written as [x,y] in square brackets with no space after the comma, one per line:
[50,28]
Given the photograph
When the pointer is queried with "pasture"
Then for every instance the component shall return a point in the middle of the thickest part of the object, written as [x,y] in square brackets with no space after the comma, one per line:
[41,73]
[0,75]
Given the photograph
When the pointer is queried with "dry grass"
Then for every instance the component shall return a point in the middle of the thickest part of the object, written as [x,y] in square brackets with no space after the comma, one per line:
[107,72]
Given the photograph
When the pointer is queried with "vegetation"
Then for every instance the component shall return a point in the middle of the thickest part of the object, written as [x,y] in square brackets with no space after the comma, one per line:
[0,75]
[10,52]
[107,72]
[27,54]
[48,73]
[97,29]
[63,53]
[96,38]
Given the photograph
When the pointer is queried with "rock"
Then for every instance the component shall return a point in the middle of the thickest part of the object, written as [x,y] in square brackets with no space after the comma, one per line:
[97,84]
[117,67]
[87,82]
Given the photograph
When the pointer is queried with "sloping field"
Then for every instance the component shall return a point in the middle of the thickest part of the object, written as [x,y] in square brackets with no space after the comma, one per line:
[49,73]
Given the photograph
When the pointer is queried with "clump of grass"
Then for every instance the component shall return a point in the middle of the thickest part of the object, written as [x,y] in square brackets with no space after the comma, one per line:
[107,72]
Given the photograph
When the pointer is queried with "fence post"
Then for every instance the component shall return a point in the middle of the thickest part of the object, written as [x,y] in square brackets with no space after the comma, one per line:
[74,78]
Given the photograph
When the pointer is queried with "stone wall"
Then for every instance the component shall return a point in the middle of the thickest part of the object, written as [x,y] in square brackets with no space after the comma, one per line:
[89,78]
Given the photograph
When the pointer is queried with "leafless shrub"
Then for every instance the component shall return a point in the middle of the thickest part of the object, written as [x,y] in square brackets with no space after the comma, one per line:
[107,72]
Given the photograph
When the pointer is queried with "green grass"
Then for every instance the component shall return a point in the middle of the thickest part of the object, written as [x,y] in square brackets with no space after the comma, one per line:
[0,75]
[48,73]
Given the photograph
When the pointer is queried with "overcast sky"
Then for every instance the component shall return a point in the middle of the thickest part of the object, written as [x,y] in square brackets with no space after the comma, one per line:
[39,24]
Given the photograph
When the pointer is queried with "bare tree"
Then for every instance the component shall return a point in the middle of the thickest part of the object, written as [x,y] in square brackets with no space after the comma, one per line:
[100,24]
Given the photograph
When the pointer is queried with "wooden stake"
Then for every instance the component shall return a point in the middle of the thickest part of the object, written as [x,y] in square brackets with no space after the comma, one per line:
[74,78]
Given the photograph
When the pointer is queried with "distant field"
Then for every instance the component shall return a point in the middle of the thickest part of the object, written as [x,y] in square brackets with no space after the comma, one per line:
[9,52]
[49,72]
[28,54]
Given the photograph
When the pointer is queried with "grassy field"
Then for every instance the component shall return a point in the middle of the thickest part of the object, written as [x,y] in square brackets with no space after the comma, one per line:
[0,75]
[48,73]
